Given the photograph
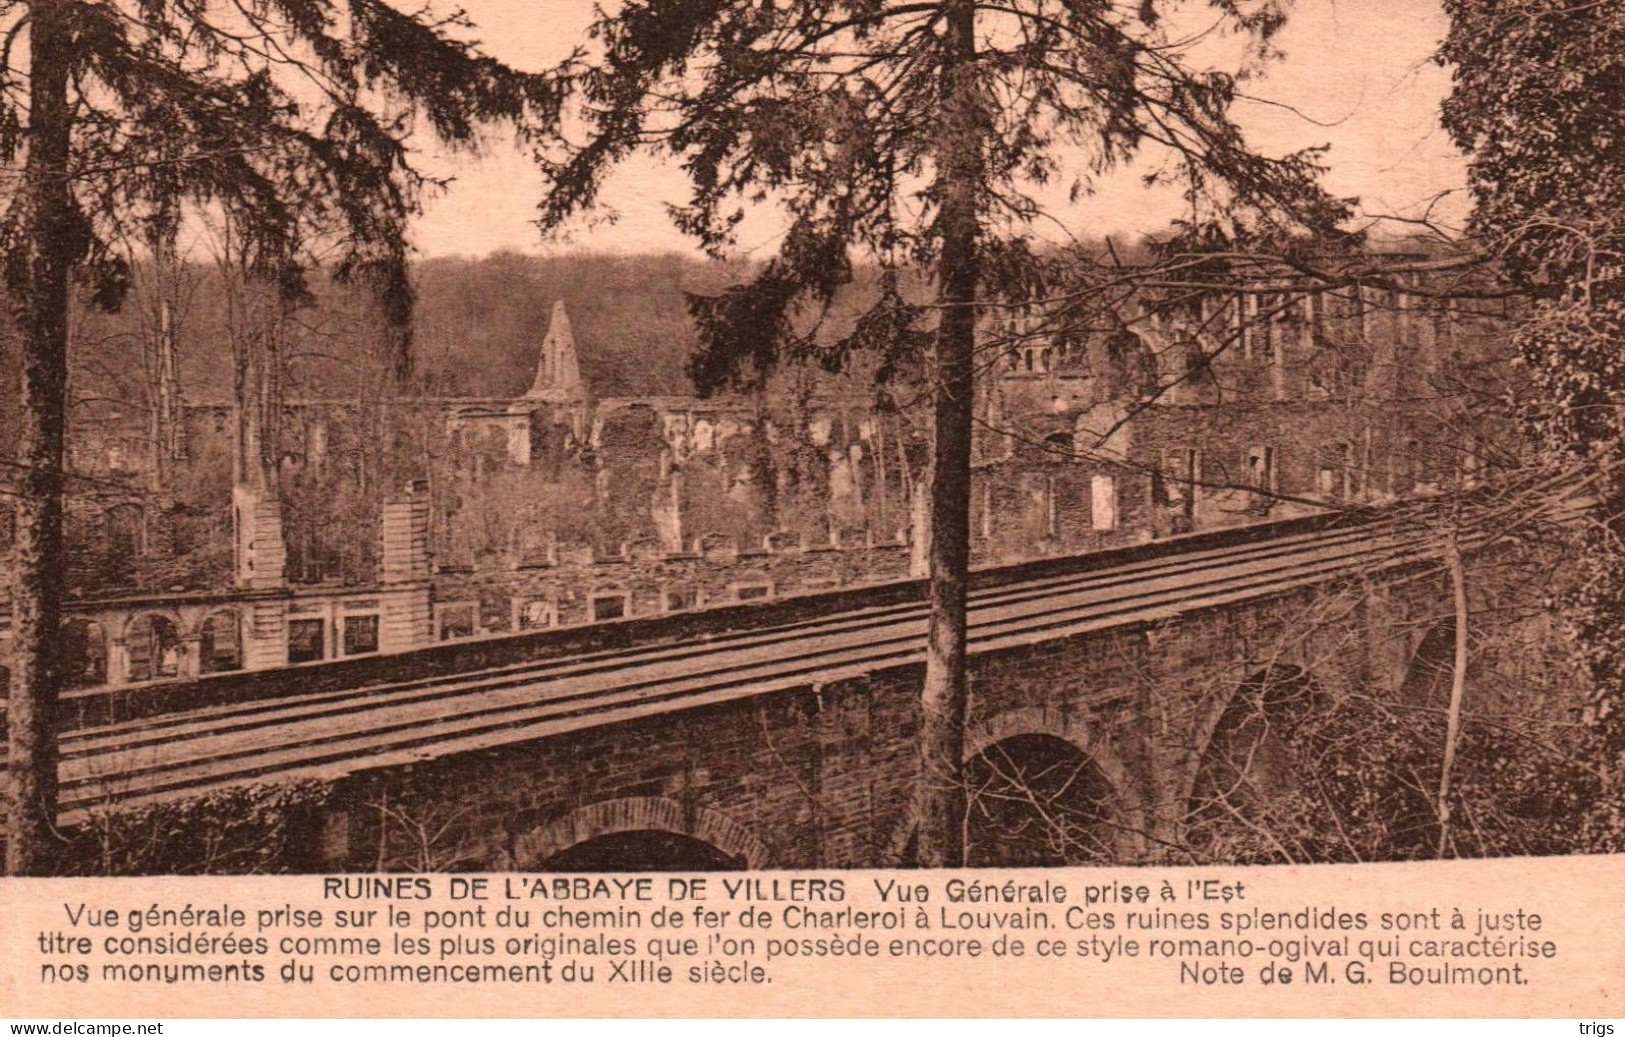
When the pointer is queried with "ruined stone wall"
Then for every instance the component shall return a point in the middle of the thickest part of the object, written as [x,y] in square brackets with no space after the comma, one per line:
[121,542]
[657,583]
[1340,390]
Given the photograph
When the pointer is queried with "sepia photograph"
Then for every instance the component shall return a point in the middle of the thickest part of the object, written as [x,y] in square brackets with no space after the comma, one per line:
[744,435]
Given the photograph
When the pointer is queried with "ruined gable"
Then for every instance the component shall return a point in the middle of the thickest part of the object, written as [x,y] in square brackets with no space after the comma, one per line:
[558,369]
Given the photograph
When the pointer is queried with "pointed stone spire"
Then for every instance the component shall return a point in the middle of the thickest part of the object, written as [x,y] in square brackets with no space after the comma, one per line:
[558,373]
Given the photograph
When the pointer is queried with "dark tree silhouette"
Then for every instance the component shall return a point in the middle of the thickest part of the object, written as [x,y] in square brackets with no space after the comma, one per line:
[920,133]
[290,119]
[1538,101]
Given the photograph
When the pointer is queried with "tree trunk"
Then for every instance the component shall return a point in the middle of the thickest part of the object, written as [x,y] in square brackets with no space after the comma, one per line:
[1458,685]
[941,811]
[52,236]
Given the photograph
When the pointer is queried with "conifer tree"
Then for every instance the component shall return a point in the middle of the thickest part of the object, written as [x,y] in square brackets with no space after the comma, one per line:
[925,133]
[289,118]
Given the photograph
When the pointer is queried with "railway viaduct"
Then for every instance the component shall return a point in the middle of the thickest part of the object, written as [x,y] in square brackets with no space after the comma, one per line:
[779,734]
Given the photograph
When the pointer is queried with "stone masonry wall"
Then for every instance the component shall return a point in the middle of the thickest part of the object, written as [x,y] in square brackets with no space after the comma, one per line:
[821,776]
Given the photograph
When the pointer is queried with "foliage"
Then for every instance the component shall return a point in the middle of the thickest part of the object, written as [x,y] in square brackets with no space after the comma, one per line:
[478,326]
[1573,351]
[910,133]
[261,828]
[1347,777]
[833,110]
[291,119]
[1538,103]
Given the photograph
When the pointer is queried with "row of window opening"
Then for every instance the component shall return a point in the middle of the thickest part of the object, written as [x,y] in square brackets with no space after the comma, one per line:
[455,620]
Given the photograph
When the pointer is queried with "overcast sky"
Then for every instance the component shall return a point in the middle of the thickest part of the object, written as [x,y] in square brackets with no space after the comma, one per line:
[1362,68]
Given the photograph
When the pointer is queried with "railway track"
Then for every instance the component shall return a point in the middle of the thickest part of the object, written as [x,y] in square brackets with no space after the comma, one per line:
[329,734]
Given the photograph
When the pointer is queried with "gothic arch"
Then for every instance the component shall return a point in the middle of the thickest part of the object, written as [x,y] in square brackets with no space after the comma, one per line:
[640,813]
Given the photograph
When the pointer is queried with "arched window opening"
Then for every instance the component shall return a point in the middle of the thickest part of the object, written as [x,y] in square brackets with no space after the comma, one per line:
[154,648]
[126,530]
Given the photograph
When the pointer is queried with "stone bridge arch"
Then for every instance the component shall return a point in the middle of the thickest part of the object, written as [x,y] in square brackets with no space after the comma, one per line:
[1066,724]
[636,814]
[1239,760]
[1213,713]
[1431,664]
[1122,800]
